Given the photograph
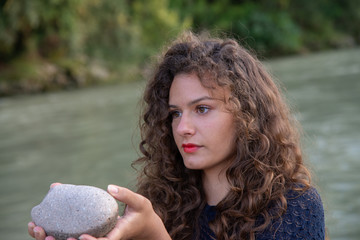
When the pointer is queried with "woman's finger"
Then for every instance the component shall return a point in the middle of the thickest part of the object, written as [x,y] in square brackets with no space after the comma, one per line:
[55,184]
[88,237]
[31,226]
[117,232]
[133,200]
[39,233]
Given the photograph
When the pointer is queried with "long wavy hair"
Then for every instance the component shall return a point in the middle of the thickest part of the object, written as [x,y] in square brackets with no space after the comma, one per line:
[268,159]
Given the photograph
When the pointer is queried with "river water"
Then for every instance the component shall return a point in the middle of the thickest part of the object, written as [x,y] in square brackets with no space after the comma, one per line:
[89,137]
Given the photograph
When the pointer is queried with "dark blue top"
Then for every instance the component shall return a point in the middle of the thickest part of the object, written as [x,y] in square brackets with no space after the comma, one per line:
[303,219]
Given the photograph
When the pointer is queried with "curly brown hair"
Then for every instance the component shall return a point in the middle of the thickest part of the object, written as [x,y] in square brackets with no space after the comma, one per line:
[268,159]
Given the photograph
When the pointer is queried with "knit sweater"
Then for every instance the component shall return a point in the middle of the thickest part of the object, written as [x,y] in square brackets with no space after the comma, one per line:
[303,219]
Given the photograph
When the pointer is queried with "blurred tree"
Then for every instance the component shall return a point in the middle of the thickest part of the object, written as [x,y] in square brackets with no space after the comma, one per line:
[263,27]
[37,27]
[56,41]
[156,23]
[345,16]
[107,31]
[278,27]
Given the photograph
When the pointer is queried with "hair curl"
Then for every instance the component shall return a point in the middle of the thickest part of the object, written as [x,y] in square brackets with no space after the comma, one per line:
[268,160]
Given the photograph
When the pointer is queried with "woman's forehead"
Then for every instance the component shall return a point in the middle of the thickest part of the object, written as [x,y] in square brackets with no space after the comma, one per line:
[192,81]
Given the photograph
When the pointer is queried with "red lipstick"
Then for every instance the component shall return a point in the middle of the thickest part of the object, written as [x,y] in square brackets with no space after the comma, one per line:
[190,147]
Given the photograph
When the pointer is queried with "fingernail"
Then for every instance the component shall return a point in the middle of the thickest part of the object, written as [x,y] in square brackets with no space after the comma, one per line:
[35,230]
[113,189]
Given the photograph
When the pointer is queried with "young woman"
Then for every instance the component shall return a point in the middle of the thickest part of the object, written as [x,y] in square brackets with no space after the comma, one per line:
[222,157]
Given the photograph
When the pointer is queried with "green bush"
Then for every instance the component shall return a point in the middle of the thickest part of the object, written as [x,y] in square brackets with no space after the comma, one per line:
[89,41]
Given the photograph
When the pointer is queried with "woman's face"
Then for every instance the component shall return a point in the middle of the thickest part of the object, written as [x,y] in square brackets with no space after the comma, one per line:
[202,126]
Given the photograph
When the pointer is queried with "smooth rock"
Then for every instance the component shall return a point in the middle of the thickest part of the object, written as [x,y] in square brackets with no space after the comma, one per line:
[71,210]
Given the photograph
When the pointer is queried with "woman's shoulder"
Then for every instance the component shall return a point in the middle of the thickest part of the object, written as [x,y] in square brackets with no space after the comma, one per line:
[305,210]
[304,201]
[303,219]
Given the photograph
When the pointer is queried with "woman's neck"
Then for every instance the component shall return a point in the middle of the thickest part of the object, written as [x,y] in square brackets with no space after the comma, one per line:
[216,186]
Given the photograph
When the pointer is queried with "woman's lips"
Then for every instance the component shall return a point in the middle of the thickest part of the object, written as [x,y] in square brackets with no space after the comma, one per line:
[190,147]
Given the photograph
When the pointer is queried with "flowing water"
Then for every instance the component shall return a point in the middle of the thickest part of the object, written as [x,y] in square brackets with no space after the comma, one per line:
[89,137]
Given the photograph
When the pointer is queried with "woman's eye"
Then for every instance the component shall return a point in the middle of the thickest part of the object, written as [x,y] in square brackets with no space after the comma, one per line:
[202,109]
[175,114]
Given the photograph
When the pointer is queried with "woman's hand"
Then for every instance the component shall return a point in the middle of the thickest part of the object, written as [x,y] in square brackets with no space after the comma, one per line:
[39,234]
[139,221]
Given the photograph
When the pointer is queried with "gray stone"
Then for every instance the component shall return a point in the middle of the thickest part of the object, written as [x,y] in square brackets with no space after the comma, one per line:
[71,210]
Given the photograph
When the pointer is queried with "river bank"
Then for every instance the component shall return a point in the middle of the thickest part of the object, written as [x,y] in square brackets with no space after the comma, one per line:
[33,75]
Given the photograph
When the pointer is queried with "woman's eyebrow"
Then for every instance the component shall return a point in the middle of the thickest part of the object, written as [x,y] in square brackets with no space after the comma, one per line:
[200,99]
[195,101]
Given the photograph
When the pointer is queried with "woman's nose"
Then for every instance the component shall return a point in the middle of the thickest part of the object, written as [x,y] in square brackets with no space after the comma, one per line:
[185,126]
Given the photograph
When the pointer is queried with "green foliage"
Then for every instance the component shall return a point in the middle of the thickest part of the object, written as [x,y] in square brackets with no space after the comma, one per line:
[106,30]
[278,27]
[269,33]
[83,38]
[267,29]
[156,22]
[37,27]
